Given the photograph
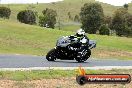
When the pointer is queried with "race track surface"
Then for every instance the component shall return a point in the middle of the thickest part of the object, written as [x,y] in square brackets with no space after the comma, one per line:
[26,61]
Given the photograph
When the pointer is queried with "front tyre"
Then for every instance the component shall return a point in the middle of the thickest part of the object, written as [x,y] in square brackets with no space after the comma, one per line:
[51,55]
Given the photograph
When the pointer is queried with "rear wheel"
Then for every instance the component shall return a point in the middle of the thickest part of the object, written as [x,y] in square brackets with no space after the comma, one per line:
[51,56]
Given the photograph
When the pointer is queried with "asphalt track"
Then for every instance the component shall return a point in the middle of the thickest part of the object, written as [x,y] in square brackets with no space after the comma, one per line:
[27,61]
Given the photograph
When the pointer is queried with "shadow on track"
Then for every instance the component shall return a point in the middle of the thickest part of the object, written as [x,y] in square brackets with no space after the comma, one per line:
[65,61]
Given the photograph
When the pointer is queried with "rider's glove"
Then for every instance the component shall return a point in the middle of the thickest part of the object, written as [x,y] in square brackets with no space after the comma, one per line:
[71,48]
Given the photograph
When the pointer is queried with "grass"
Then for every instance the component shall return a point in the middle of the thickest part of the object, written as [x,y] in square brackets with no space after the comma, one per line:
[72,28]
[26,39]
[21,38]
[51,74]
[34,75]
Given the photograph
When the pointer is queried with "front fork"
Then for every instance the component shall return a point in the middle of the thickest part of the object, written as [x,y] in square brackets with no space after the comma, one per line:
[83,53]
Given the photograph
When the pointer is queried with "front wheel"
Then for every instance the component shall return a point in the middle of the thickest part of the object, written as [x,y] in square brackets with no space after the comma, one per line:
[51,56]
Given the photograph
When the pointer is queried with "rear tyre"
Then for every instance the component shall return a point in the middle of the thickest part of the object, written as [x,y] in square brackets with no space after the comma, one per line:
[51,56]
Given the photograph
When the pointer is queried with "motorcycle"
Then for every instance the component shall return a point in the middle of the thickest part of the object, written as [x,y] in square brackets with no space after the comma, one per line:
[63,49]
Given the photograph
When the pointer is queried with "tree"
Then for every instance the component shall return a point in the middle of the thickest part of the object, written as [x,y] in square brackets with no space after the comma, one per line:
[91,16]
[104,30]
[27,17]
[48,19]
[126,6]
[107,20]
[129,24]
[76,18]
[43,21]
[121,22]
[5,12]
[69,15]
[37,3]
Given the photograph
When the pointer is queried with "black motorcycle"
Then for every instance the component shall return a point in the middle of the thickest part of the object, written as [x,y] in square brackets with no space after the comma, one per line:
[63,49]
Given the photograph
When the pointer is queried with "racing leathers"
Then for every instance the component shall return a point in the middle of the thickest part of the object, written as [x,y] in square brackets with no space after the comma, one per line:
[79,43]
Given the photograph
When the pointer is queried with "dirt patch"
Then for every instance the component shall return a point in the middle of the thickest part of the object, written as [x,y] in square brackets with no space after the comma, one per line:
[6,84]
[56,83]
[112,54]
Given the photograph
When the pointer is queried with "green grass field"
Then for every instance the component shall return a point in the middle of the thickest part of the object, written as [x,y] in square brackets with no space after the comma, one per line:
[19,38]
[62,8]
[52,74]
[72,28]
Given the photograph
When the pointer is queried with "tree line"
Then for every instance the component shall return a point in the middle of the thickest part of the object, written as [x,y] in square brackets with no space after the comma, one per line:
[91,16]
[48,19]
[93,20]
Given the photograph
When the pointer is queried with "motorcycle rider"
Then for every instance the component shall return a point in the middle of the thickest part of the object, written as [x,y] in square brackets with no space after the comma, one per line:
[75,47]
[82,41]
[81,35]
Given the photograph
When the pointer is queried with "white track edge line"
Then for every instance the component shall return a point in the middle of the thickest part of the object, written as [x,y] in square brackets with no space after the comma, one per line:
[66,68]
